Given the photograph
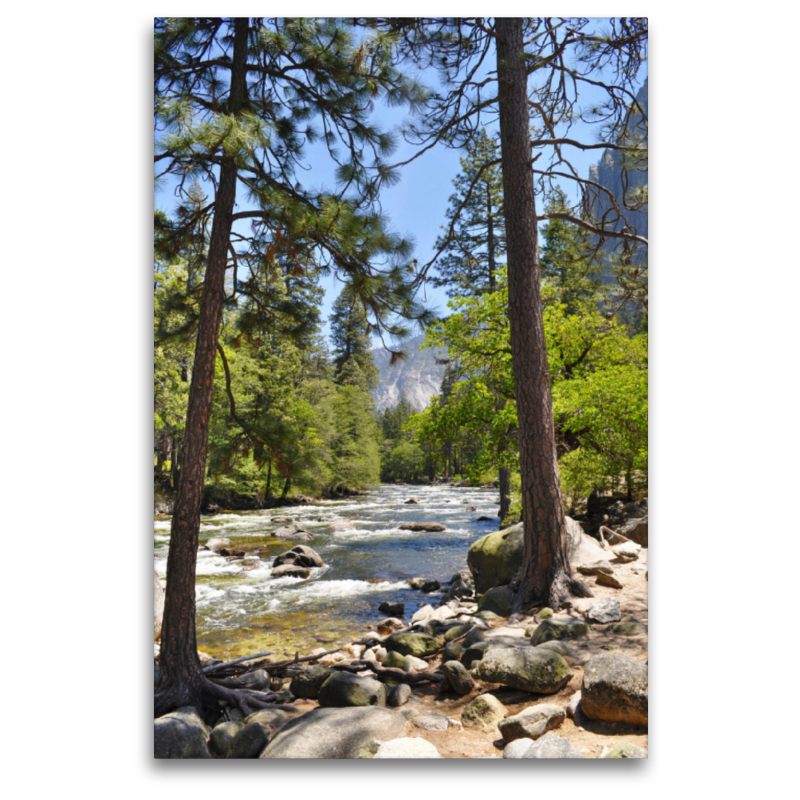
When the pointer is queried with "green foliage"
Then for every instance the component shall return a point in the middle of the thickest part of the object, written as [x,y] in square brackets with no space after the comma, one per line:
[407,462]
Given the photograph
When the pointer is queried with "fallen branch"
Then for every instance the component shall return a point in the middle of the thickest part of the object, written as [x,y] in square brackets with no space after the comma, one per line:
[217,667]
[390,672]
[612,533]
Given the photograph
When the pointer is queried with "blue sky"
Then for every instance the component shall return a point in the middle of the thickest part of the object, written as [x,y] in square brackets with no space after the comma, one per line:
[415,206]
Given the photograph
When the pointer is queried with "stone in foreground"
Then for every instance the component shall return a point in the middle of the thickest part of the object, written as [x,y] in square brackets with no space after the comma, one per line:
[413,644]
[181,734]
[530,669]
[625,751]
[345,689]
[604,611]
[559,628]
[308,682]
[517,748]
[551,746]
[484,710]
[457,676]
[532,723]
[407,748]
[615,689]
[248,742]
[497,600]
[335,733]
[223,735]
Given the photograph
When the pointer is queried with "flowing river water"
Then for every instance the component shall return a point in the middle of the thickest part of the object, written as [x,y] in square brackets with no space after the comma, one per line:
[241,609]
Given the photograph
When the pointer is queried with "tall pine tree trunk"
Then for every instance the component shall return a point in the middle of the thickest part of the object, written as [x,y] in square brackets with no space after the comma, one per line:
[181,680]
[545,575]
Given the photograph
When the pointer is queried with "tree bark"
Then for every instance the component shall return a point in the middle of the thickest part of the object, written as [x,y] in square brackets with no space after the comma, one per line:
[505,492]
[545,574]
[180,677]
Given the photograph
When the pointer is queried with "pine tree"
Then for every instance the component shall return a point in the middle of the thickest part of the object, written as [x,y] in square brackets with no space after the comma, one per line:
[234,105]
[474,241]
[350,339]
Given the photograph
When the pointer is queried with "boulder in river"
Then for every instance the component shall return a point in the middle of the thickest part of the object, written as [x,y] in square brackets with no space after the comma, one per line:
[158,606]
[218,543]
[424,584]
[412,501]
[294,533]
[343,525]
[335,732]
[300,556]
[289,571]
[430,527]
[392,609]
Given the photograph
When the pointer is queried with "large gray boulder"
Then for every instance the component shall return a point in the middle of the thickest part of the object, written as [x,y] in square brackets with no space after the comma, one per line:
[181,734]
[216,543]
[635,530]
[615,689]
[248,742]
[289,571]
[532,722]
[551,746]
[497,599]
[429,527]
[158,606]
[604,611]
[495,558]
[531,669]
[300,556]
[294,533]
[345,689]
[335,733]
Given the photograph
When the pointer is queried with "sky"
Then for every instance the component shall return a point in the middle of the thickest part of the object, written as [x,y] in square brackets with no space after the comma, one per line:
[417,204]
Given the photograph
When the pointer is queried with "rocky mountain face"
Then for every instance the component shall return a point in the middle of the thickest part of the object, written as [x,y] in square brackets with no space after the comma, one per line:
[608,173]
[419,376]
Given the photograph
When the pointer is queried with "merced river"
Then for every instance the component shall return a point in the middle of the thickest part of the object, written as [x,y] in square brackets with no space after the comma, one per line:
[241,609]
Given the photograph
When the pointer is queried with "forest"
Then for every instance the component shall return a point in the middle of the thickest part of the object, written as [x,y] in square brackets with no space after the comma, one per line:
[545,386]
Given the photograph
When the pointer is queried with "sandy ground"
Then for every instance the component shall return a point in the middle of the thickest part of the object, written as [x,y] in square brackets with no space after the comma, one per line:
[588,736]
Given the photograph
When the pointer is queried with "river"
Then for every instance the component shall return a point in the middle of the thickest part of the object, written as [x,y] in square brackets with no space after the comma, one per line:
[242,610]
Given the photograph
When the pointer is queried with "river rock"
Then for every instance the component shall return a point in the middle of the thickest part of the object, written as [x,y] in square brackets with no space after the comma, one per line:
[335,733]
[608,580]
[392,609]
[494,559]
[301,556]
[181,734]
[452,652]
[475,652]
[308,682]
[413,644]
[289,571]
[626,750]
[423,615]
[573,704]
[604,611]
[258,680]
[630,627]
[615,689]
[407,748]
[272,719]
[457,676]
[428,721]
[282,520]
[627,551]
[395,660]
[530,669]
[456,630]
[483,710]
[294,533]
[551,746]
[412,501]
[461,585]
[248,742]
[497,600]
[216,543]
[343,525]
[596,567]
[475,635]
[428,527]
[158,606]
[424,584]
[532,722]
[345,689]
[635,530]
[389,625]
[222,736]
[559,628]
[398,695]
[517,748]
